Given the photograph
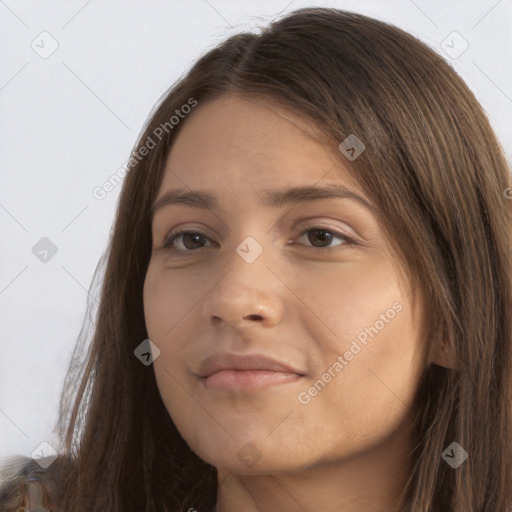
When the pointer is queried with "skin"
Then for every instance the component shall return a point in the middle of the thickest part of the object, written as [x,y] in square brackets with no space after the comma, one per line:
[347,448]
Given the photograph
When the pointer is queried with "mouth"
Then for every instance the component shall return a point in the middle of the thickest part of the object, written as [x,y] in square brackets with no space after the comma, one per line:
[248,380]
[247,372]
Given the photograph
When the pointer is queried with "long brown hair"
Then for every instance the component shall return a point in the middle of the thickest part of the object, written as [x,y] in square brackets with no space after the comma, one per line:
[439,178]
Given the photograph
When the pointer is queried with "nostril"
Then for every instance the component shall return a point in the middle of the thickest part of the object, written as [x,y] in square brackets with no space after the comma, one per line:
[254,317]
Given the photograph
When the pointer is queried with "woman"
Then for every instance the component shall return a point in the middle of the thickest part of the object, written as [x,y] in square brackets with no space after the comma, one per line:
[314,233]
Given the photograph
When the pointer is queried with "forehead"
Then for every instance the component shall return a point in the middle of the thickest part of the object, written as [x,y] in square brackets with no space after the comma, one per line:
[238,144]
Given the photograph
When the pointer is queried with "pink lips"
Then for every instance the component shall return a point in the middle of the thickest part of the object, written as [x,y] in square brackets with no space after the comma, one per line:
[253,372]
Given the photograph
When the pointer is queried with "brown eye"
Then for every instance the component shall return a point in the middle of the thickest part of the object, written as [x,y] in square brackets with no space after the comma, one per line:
[190,240]
[324,236]
[320,237]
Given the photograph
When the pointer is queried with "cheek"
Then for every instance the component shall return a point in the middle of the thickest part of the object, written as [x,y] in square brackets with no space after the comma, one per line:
[350,294]
[373,328]
[389,362]
[161,304]
[374,391]
[164,304]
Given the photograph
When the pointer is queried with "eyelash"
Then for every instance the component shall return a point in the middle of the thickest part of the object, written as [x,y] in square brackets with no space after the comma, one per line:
[302,231]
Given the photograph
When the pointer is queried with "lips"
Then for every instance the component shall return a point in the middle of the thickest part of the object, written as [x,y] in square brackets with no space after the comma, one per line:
[248,381]
[230,361]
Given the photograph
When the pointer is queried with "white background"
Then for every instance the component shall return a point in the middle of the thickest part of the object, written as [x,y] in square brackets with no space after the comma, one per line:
[69,121]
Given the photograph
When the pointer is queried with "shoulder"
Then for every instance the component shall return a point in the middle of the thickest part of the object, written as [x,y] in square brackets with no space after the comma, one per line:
[23,479]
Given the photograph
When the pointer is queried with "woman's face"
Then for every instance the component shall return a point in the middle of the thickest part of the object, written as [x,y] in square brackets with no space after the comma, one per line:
[279,279]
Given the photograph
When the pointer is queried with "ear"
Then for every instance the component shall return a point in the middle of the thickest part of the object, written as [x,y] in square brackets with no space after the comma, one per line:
[443,354]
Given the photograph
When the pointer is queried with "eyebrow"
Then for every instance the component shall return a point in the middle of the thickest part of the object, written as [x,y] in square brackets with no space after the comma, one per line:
[271,198]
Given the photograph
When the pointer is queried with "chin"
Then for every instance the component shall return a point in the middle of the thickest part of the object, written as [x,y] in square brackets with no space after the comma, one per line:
[255,455]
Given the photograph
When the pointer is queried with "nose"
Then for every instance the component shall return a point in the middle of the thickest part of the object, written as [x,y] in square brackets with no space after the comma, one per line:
[248,294]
